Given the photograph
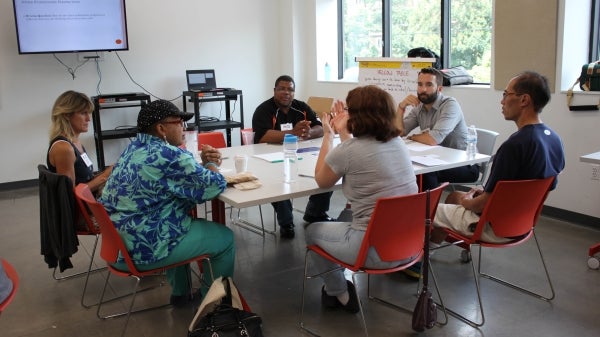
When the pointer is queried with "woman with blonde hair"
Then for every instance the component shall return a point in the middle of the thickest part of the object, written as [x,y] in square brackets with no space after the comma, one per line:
[71,115]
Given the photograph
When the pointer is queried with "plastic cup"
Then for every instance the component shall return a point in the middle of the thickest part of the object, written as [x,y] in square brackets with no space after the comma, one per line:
[241,163]
[247,137]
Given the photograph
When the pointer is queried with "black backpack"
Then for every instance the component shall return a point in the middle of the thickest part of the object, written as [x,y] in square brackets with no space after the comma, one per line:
[424,52]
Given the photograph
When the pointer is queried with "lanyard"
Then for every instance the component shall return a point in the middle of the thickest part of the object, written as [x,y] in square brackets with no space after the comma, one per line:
[303,113]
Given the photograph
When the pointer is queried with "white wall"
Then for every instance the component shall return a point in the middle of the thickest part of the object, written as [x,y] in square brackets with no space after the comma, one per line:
[481,105]
[239,39]
[248,43]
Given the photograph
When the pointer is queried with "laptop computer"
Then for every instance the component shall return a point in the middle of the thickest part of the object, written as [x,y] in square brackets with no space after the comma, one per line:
[201,80]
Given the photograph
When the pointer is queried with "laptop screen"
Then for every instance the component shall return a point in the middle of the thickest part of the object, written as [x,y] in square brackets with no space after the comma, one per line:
[201,79]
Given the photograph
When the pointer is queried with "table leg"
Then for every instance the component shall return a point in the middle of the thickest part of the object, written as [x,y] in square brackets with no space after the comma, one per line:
[594,249]
[218,211]
[420,182]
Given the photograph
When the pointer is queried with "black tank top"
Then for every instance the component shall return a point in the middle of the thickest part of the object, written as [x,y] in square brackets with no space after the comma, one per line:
[83,173]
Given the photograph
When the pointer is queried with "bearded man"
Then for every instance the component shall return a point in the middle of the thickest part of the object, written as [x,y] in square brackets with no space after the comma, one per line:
[441,122]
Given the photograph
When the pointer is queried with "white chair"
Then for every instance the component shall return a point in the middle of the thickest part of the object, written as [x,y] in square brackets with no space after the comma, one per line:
[486,140]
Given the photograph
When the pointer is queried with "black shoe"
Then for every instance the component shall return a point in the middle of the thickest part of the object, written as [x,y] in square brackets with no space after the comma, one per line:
[322,218]
[184,300]
[352,305]
[331,302]
[180,301]
[287,231]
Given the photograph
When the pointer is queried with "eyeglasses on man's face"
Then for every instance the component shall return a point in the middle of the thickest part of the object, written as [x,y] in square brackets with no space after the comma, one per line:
[285,89]
[180,122]
[508,93]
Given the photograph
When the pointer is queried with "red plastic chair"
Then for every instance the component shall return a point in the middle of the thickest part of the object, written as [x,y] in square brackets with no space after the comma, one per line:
[14,277]
[242,131]
[396,231]
[112,246]
[90,229]
[215,139]
[512,210]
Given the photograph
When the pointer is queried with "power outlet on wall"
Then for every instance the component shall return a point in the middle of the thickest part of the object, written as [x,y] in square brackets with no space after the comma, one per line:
[595,172]
[92,56]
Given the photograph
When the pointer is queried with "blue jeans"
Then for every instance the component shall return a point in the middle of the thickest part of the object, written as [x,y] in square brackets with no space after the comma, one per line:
[204,237]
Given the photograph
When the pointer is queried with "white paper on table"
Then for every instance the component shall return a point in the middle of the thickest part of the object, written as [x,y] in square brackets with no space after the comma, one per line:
[306,167]
[274,157]
[428,160]
[306,171]
[417,147]
[226,171]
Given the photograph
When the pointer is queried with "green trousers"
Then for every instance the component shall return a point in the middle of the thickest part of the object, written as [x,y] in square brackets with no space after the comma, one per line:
[204,237]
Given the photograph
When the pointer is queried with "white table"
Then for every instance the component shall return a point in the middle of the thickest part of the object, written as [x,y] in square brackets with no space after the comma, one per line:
[271,174]
[593,262]
[593,158]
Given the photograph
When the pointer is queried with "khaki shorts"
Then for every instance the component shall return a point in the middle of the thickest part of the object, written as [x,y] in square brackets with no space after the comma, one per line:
[461,220]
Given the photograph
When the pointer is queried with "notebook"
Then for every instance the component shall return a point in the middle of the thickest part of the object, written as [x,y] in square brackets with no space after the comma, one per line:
[201,80]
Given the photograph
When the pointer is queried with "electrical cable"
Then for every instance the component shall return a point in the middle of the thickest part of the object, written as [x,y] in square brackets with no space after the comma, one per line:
[69,69]
[139,85]
[99,72]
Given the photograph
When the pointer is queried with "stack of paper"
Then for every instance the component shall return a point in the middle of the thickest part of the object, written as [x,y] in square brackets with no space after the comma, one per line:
[275,157]
[427,160]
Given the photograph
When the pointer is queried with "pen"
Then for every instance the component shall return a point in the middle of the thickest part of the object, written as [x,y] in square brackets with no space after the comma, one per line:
[281,160]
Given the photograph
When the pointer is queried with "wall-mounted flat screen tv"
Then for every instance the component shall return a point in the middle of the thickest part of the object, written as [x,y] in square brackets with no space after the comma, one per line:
[66,26]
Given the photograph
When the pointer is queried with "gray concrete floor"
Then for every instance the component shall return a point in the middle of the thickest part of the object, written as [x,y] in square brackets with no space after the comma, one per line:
[269,274]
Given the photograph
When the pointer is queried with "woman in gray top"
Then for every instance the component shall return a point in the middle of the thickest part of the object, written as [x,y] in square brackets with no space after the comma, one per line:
[375,163]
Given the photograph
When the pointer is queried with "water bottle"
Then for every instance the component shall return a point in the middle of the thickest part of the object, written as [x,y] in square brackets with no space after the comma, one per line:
[471,142]
[290,158]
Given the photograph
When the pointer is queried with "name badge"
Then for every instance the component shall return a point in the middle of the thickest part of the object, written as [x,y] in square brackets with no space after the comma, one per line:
[86,159]
[286,127]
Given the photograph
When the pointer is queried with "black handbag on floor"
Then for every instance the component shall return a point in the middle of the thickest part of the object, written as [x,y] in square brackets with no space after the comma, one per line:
[225,320]
[425,313]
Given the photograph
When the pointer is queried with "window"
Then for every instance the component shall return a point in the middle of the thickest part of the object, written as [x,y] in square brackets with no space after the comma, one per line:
[595,32]
[460,31]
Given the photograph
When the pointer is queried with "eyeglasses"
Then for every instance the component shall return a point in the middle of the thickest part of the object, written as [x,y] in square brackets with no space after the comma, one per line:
[506,94]
[282,89]
[180,122]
